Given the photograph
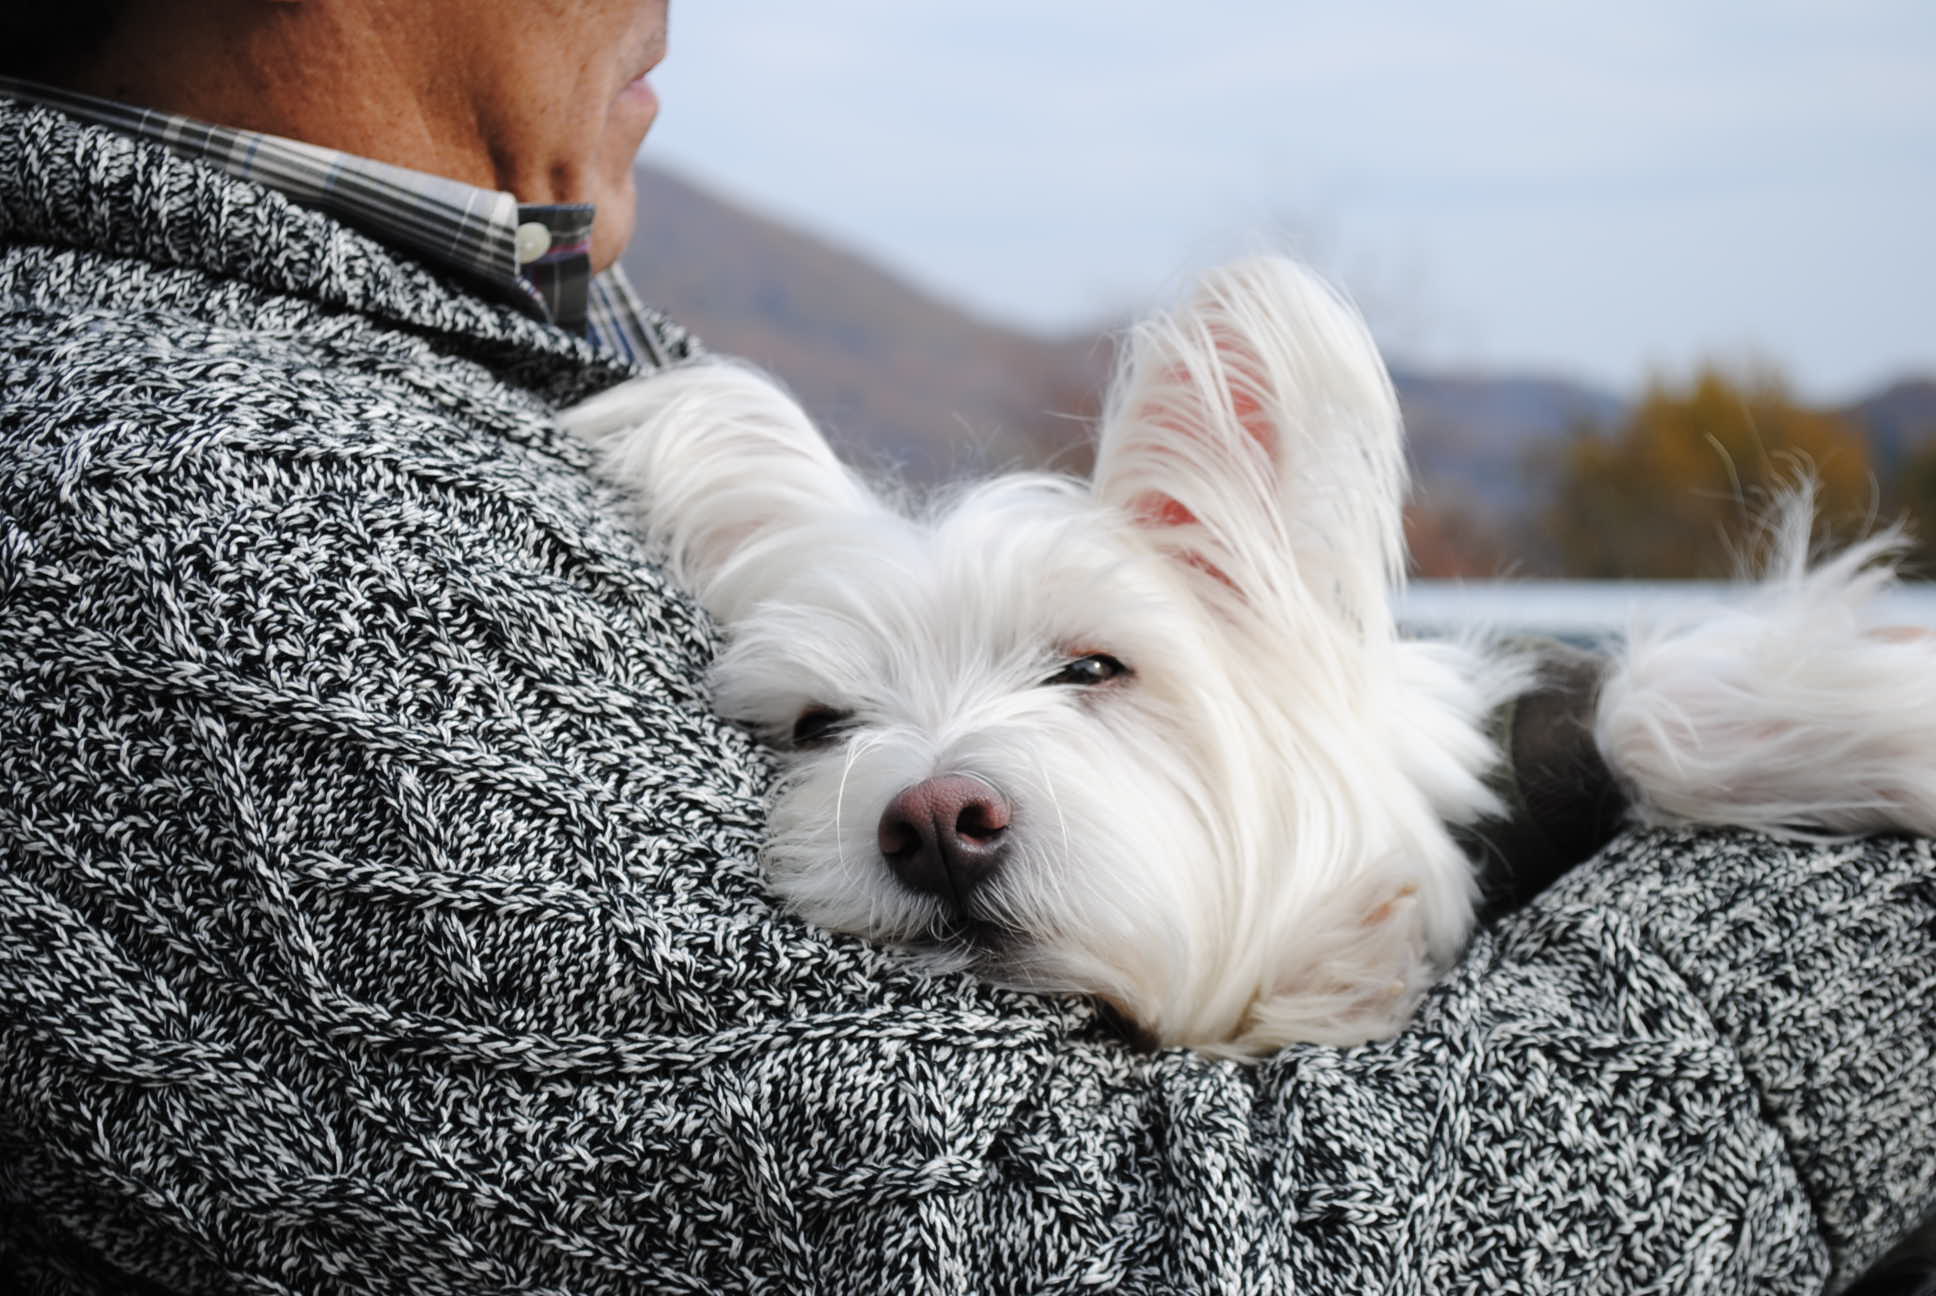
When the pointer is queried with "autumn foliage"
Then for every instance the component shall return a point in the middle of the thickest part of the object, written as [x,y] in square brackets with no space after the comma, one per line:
[1675,488]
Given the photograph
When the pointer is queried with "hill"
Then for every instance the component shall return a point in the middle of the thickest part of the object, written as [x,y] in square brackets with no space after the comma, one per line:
[1900,419]
[909,384]
[896,377]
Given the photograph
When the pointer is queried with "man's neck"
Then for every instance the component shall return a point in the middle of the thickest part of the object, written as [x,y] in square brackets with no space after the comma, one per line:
[305,72]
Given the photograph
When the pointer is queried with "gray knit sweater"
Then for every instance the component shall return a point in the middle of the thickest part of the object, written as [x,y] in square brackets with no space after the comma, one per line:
[379,913]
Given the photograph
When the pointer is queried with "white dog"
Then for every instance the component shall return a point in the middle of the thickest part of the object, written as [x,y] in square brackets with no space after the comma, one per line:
[1155,737]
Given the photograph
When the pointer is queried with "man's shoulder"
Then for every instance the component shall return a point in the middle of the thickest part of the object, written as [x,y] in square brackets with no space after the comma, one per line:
[182,483]
[151,388]
[122,433]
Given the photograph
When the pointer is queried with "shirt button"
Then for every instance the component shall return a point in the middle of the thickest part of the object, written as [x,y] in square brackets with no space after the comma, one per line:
[534,240]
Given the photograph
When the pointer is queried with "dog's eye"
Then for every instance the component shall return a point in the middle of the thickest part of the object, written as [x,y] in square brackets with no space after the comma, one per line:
[1096,668]
[818,726]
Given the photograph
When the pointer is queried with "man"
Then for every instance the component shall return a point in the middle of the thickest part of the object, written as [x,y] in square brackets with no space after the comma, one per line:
[379,908]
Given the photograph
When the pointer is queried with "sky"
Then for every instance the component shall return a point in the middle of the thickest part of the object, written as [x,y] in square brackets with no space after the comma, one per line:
[1602,191]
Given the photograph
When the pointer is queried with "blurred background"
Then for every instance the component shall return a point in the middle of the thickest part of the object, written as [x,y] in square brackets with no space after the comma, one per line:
[1630,264]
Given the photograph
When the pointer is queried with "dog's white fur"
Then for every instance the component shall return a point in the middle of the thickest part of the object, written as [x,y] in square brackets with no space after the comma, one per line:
[1246,840]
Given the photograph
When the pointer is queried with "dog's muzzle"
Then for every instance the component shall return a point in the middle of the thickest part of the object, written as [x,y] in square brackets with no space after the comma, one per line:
[945,837]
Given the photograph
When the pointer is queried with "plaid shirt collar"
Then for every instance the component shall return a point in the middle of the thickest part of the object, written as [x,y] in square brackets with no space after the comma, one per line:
[537,256]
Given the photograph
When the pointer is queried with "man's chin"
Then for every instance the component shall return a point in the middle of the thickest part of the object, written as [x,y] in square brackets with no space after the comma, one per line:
[612,229]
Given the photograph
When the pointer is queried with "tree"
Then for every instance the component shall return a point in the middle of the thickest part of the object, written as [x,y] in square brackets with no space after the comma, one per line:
[1449,540]
[1676,489]
[1913,495]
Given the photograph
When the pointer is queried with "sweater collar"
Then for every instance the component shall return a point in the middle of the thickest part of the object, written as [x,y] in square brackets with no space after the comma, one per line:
[66,183]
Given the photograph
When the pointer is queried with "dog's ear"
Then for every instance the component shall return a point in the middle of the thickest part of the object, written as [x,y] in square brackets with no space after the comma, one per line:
[725,465]
[1255,433]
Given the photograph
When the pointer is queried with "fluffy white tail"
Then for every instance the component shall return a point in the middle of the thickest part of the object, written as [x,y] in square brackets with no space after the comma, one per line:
[1789,712]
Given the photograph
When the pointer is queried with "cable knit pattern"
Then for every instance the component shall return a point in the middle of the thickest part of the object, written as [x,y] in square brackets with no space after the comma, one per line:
[379,910]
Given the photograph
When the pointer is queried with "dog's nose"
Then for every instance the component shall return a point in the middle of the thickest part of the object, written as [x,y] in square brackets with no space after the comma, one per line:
[945,836]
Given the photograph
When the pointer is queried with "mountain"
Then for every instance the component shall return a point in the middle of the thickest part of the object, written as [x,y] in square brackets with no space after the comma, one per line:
[903,379]
[897,378]
[1899,420]
[1478,436]
[909,384]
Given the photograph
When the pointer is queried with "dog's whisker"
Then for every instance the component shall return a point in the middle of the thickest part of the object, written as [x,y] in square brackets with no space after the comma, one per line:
[1048,786]
[856,748]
